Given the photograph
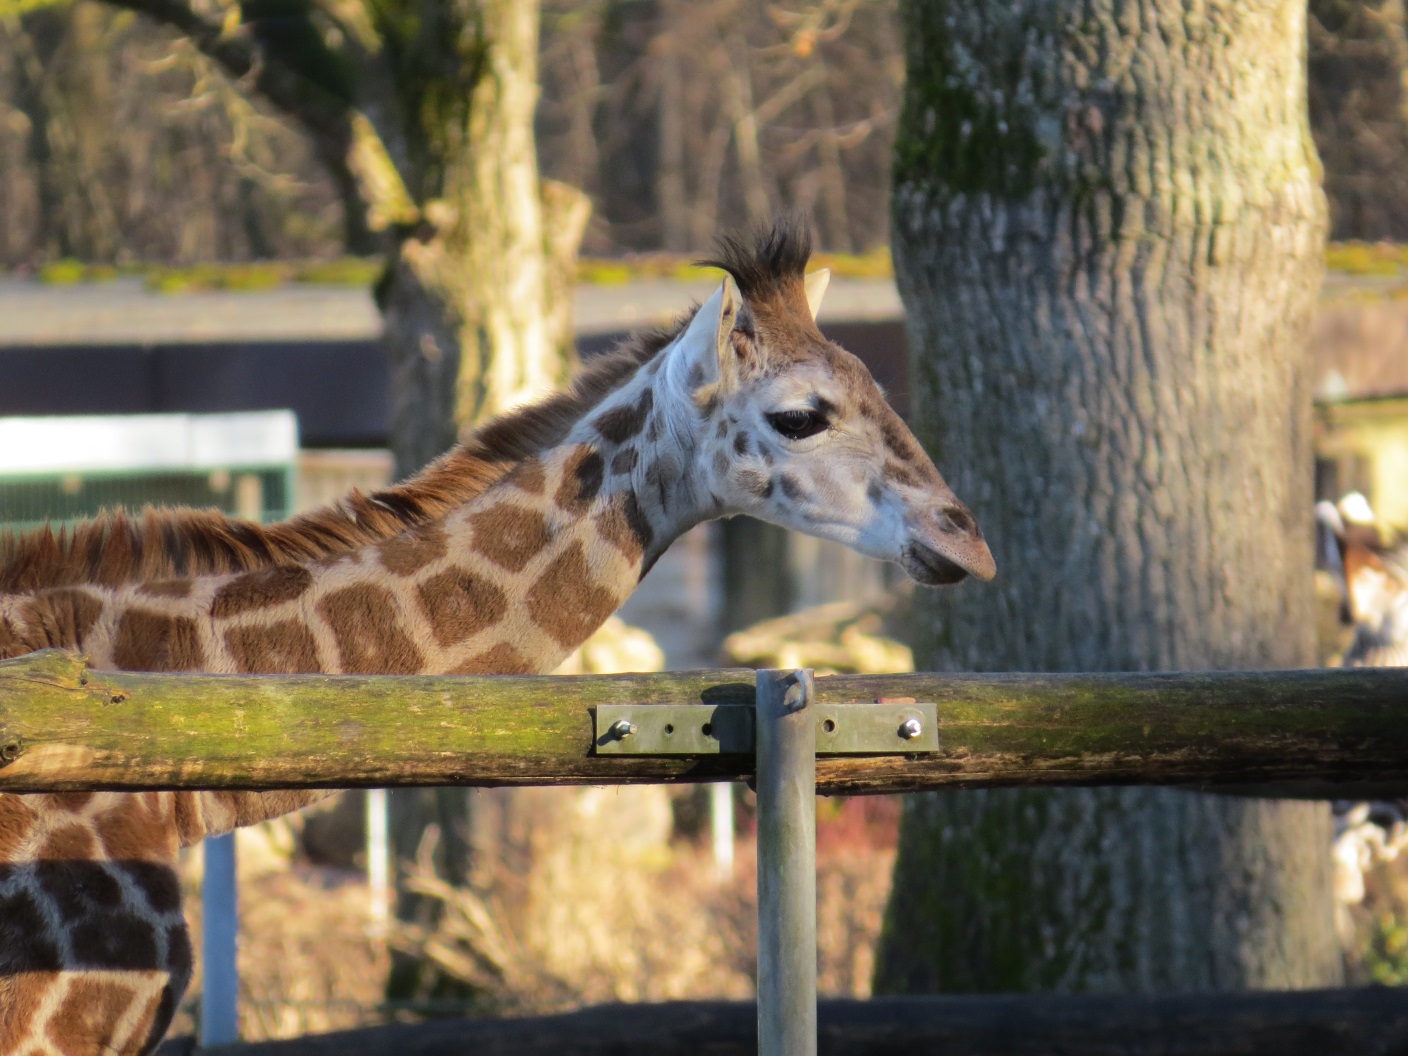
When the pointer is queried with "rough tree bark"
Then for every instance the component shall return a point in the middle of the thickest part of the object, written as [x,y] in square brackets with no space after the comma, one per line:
[476,297]
[1108,232]
[427,107]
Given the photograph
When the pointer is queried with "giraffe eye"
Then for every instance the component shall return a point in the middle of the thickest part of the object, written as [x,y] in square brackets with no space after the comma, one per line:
[798,425]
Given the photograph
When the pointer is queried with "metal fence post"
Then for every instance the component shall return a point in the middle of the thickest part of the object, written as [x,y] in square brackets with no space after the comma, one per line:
[378,862]
[219,1002]
[786,769]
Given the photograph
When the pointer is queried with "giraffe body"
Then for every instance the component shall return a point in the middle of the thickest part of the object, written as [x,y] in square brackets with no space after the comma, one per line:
[504,558]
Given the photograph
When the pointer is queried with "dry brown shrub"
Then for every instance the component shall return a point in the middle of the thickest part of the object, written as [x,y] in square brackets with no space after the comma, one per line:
[308,965]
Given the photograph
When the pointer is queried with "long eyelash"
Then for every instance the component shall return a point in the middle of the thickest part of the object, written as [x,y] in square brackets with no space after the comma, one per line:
[798,424]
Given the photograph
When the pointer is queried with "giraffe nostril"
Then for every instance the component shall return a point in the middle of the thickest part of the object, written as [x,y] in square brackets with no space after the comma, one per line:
[956,519]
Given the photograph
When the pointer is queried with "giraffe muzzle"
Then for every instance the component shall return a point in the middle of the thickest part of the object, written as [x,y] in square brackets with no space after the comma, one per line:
[948,550]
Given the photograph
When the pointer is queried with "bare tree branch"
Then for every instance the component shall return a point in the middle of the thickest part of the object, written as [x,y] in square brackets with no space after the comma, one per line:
[319,112]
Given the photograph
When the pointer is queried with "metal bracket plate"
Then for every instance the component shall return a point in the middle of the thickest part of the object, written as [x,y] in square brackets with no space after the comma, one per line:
[728,729]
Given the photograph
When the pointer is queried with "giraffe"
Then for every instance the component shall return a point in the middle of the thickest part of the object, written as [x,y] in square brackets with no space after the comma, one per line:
[501,558]
[1372,572]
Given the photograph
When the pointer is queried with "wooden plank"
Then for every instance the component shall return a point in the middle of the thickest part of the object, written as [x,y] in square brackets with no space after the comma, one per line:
[1363,1022]
[63,726]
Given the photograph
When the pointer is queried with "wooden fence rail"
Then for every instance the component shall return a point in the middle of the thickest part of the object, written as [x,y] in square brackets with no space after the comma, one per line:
[63,726]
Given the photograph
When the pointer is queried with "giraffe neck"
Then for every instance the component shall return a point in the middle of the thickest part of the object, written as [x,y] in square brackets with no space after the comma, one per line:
[646,433]
[508,583]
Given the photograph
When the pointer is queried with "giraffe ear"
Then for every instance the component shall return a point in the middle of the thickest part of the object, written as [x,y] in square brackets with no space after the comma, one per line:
[704,358]
[815,284]
[730,301]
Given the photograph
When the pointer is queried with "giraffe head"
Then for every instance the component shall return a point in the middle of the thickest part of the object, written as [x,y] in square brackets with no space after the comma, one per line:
[792,429]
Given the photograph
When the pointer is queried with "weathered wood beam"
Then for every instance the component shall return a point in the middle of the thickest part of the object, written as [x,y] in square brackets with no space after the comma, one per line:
[1367,1022]
[63,726]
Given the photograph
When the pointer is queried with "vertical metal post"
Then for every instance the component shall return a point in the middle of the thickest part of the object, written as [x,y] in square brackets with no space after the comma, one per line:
[378,862]
[721,828]
[219,1001]
[786,779]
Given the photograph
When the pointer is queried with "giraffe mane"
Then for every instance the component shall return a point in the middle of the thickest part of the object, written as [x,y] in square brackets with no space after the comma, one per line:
[119,547]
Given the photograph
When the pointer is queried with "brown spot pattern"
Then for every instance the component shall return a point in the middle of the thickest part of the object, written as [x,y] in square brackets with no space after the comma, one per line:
[902,474]
[655,478]
[68,843]
[285,648]
[624,525]
[740,442]
[260,590]
[503,659]
[160,884]
[755,483]
[132,832]
[61,617]
[10,643]
[16,820]
[79,887]
[115,941]
[509,535]
[156,1017]
[529,476]
[624,461]
[151,641]
[167,588]
[581,480]
[566,603]
[188,816]
[24,995]
[22,915]
[88,1020]
[369,641]
[412,550]
[460,604]
[69,802]
[80,610]
[791,487]
[619,424]
[897,438]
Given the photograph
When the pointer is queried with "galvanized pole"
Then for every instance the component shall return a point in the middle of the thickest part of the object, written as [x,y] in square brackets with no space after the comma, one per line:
[786,761]
[378,862]
[220,987]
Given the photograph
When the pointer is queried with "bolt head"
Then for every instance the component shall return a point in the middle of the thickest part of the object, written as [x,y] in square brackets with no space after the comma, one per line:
[622,728]
[910,729]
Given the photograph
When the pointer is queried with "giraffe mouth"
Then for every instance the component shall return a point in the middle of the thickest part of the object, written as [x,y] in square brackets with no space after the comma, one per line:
[928,567]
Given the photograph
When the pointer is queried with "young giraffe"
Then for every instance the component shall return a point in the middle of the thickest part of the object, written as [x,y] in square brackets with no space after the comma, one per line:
[745,408]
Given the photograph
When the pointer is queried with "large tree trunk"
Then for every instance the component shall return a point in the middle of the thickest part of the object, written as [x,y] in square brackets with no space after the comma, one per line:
[478,319]
[476,300]
[1108,232]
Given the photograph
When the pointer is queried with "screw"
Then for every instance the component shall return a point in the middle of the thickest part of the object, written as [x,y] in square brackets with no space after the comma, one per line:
[622,728]
[910,729]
